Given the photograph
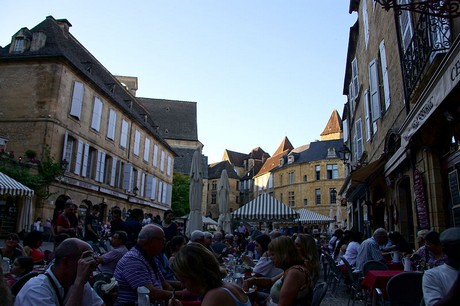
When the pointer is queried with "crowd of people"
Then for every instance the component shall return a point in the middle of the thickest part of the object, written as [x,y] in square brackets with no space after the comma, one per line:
[150,252]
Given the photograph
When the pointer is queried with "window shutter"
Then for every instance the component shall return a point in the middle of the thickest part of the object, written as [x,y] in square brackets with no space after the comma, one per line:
[154,187]
[374,90]
[168,169]
[345,130]
[124,134]
[97,114]
[406,25]
[365,23]
[146,149]
[384,66]
[359,138]
[113,172]
[102,167]
[78,158]
[165,193]
[162,161]
[368,115]
[127,177]
[142,189]
[169,194]
[148,186]
[155,155]
[112,124]
[160,191]
[84,168]
[354,71]
[77,99]
[137,142]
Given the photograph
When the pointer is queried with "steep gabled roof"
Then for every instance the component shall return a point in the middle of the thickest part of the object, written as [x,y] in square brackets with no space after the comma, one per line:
[274,161]
[235,158]
[61,44]
[258,153]
[175,119]
[319,150]
[334,125]
[215,170]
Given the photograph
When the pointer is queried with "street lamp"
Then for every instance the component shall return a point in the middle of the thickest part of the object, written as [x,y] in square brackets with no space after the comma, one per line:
[346,153]
[446,8]
[135,190]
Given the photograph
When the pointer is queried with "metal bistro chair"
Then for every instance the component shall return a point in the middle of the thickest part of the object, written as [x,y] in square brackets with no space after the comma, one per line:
[334,274]
[404,289]
[354,282]
[374,265]
[318,293]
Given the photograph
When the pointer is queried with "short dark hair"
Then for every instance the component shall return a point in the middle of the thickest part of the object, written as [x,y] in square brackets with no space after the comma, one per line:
[433,237]
[122,235]
[96,207]
[167,212]
[26,262]
[13,236]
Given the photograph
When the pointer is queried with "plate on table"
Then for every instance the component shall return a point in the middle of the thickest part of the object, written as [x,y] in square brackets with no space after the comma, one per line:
[250,290]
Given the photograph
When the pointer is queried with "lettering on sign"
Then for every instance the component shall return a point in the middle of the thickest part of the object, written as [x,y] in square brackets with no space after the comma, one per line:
[455,71]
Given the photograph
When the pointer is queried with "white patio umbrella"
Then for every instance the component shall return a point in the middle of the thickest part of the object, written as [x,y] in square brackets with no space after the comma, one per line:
[223,193]
[195,195]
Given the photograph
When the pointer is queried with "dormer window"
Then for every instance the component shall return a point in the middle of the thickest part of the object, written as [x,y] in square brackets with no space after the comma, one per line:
[281,161]
[331,153]
[19,44]
[291,159]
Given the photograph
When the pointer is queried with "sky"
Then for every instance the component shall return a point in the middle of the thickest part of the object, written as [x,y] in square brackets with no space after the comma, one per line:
[259,70]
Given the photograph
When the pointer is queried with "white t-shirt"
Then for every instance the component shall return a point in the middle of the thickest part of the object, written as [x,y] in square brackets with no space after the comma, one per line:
[437,283]
[352,252]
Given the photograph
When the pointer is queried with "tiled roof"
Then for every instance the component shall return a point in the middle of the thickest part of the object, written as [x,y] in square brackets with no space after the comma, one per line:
[62,44]
[175,119]
[236,158]
[273,162]
[215,170]
[318,150]
[334,125]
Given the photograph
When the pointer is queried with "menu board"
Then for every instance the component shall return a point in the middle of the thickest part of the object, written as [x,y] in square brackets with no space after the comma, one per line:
[420,201]
[453,186]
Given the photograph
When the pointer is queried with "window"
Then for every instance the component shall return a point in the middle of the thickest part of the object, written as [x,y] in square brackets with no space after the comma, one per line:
[332,172]
[291,178]
[318,172]
[84,165]
[406,25]
[214,185]
[237,186]
[119,174]
[97,114]
[113,171]
[111,125]
[355,80]
[318,196]
[124,134]
[146,149]
[77,100]
[332,195]
[19,43]
[305,178]
[305,202]
[169,167]
[100,166]
[78,158]
[137,142]
[213,198]
[92,163]
[291,198]
[162,161]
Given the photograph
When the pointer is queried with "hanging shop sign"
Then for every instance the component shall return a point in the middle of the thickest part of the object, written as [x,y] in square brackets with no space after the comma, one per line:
[421,205]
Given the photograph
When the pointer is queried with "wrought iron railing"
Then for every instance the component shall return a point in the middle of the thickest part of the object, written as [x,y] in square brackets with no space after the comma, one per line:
[431,36]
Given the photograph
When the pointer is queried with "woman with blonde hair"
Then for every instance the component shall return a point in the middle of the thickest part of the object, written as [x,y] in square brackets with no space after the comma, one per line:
[295,287]
[306,245]
[198,270]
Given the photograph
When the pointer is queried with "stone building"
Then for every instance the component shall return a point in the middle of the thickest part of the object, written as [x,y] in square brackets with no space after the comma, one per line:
[401,119]
[310,176]
[55,94]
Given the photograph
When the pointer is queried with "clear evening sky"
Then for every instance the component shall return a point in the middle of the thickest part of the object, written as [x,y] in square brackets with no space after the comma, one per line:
[259,70]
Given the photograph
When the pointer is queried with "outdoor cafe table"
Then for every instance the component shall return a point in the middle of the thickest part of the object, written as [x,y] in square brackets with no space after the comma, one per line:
[378,279]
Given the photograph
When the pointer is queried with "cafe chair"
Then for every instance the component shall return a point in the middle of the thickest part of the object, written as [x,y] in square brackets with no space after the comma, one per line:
[353,282]
[404,289]
[374,265]
[318,293]
[334,274]
[21,282]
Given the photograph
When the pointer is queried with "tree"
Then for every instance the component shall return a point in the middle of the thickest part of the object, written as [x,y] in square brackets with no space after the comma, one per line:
[180,193]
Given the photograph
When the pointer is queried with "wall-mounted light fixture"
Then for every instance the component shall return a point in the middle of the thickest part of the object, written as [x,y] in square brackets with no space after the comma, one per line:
[135,190]
[346,153]
[446,9]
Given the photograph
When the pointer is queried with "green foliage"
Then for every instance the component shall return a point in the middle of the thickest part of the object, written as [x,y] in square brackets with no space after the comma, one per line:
[180,193]
[39,180]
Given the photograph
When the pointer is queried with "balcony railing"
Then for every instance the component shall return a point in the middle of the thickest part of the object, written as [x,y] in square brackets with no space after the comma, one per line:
[431,36]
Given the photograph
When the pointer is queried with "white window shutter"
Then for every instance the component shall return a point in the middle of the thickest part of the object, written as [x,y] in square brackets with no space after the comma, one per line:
[345,130]
[154,188]
[168,169]
[354,72]
[365,23]
[169,194]
[374,90]
[368,115]
[112,124]
[155,155]
[148,186]
[160,191]
[142,189]
[146,149]
[113,171]
[165,193]
[77,99]
[78,158]
[124,134]
[127,177]
[97,114]
[137,142]
[102,168]
[359,139]
[162,161]
[84,167]
[384,66]
[406,25]
[98,166]
[138,180]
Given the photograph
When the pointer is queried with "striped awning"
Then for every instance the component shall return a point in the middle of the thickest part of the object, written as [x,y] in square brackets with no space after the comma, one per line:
[308,216]
[265,208]
[13,187]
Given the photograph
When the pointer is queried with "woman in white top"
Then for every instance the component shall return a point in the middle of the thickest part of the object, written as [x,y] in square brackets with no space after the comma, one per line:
[352,249]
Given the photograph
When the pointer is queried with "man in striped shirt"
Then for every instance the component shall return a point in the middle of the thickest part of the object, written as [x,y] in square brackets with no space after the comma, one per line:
[370,248]
[138,268]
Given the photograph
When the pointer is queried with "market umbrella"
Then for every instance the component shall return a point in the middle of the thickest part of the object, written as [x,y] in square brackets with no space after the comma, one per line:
[223,193]
[195,196]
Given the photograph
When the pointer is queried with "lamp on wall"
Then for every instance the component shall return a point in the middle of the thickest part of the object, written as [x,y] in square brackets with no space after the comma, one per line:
[64,164]
[346,153]
[447,8]
[135,190]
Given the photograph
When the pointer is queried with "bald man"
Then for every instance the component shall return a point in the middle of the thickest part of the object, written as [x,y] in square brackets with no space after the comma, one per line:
[138,268]
[66,281]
